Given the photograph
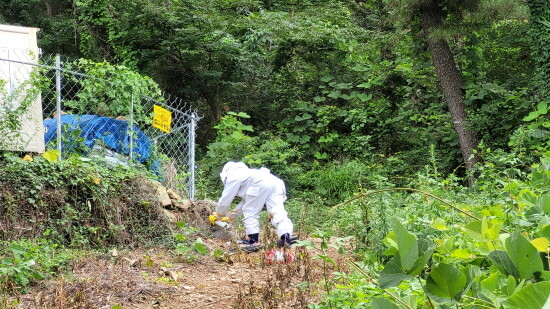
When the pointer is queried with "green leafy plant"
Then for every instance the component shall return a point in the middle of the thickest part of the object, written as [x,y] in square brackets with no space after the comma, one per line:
[111,90]
[25,262]
[14,105]
[186,247]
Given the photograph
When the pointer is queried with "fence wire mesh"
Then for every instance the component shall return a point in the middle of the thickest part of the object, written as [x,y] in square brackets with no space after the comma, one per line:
[99,111]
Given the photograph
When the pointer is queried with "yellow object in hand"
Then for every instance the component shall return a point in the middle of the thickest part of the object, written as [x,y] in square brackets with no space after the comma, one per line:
[226,219]
[212,219]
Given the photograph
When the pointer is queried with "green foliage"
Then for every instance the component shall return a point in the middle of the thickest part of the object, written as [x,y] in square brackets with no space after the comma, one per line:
[533,137]
[185,246]
[496,260]
[25,262]
[336,182]
[82,202]
[233,144]
[55,18]
[540,34]
[111,90]
[14,105]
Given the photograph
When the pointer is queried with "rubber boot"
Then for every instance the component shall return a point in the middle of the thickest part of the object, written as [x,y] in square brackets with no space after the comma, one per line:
[252,244]
[252,239]
[284,241]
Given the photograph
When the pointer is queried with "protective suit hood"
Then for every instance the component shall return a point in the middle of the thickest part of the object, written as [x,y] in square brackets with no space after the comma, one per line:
[230,167]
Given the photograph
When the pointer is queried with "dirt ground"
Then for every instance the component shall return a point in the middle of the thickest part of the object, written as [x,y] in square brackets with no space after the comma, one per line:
[161,279]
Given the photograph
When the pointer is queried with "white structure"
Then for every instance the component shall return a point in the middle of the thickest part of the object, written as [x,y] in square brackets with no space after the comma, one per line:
[18,52]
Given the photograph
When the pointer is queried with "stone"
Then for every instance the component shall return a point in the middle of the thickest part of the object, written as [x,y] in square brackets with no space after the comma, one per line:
[163,197]
[169,215]
[173,275]
[173,195]
[182,204]
[132,262]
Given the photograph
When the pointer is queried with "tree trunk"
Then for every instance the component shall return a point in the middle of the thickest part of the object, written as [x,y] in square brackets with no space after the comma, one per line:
[450,79]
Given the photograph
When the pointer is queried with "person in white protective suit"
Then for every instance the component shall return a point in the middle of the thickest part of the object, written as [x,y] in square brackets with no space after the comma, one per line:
[256,187]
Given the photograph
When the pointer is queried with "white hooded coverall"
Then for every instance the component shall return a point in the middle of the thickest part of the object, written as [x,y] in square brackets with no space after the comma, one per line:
[256,188]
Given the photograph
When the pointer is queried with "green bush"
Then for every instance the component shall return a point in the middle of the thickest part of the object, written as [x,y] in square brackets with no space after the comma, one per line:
[26,261]
[83,202]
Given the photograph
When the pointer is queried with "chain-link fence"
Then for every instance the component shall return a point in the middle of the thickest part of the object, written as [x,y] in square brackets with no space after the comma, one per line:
[100,110]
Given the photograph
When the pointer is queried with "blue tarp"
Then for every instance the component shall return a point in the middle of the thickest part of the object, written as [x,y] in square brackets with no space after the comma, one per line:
[114,133]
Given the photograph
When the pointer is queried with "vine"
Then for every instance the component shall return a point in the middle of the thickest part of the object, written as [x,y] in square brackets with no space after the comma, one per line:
[14,105]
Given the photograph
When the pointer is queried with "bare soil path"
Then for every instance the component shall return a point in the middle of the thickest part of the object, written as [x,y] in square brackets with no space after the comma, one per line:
[160,279]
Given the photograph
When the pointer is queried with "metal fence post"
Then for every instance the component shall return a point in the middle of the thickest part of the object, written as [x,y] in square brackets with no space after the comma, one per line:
[192,156]
[58,99]
[131,124]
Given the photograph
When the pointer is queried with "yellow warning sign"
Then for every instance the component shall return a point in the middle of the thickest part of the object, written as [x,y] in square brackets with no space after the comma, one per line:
[162,118]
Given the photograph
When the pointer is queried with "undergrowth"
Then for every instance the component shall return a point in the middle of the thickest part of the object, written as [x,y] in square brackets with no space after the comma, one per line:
[80,202]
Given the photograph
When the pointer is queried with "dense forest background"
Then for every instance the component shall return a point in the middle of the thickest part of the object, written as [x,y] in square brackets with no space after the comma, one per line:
[398,83]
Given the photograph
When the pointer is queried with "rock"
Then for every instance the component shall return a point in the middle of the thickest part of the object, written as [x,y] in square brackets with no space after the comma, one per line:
[221,233]
[182,204]
[114,252]
[187,287]
[132,262]
[162,196]
[169,215]
[173,195]
[173,275]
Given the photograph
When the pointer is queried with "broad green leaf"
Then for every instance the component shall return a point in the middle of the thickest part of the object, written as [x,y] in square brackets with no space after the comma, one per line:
[319,99]
[343,85]
[510,285]
[542,108]
[491,283]
[544,203]
[51,155]
[545,231]
[445,281]
[364,97]
[390,241]
[475,230]
[490,288]
[242,115]
[541,244]
[483,230]
[472,272]
[445,246]
[420,263]
[334,94]
[200,247]
[545,275]
[525,196]
[382,303]
[532,116]
[237,135]
[493,230]
[327,78]
[462,254]
[440,224]
[523,254]
[533,296]
[392,274]
[407,246]
[503,262]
